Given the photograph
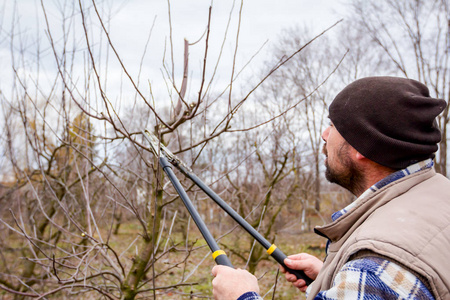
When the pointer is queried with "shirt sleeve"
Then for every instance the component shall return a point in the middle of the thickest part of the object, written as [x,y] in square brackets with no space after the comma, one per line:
[375,278]
[250,296]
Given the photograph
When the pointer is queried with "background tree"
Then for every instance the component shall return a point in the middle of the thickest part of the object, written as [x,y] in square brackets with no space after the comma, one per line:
[81,167]
[278,184]
[309,77]
[85,203]
[411,39]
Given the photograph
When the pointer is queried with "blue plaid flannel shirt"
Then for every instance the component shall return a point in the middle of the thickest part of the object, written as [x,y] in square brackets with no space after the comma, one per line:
[373,277]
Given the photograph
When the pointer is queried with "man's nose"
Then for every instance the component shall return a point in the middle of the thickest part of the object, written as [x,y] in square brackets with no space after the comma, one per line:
[325,134]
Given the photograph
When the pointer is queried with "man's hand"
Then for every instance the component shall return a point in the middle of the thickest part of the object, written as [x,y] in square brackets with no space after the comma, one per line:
[309,264]
[231,283]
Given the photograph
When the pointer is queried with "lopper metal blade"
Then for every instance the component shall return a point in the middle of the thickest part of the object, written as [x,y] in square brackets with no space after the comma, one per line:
[160,150]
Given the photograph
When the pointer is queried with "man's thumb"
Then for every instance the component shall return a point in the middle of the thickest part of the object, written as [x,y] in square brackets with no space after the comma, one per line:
[293,264]
[215,270]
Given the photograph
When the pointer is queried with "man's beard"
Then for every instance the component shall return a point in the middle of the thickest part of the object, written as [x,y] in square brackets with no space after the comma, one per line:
[350,177]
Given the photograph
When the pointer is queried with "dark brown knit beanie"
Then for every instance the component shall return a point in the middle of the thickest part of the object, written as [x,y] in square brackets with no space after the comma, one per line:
[389,120]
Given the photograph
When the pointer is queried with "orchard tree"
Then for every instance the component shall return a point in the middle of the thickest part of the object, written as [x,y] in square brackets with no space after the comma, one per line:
[407,38]
[309,78]
[77,163]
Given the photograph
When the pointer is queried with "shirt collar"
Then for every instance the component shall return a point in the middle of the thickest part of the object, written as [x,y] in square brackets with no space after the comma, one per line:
[425,164]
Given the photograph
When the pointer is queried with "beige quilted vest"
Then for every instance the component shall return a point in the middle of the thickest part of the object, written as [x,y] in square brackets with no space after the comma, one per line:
[407,221]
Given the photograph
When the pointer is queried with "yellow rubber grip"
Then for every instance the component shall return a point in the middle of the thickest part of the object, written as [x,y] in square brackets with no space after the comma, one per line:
[271,249]
[217,253]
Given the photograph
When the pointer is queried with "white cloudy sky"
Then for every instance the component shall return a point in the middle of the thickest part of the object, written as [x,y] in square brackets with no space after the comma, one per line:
[132,20]
[262,20]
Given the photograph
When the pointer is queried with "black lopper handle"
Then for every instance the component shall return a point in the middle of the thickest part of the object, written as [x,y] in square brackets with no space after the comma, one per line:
[279,256]
[272,250]
[218,255]
[222,259]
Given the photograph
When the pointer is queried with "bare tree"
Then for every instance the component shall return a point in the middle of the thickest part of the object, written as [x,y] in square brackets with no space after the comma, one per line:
[282,170]
[410,38]
[78,165]
[307,77]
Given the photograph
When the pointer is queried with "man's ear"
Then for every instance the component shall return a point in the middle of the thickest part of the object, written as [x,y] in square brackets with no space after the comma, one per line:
[359,156]
[355,154]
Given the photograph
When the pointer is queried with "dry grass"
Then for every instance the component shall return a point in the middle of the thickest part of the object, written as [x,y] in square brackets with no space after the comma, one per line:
[197,268]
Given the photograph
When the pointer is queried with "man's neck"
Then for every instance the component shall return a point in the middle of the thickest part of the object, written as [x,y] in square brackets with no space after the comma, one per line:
[373,173]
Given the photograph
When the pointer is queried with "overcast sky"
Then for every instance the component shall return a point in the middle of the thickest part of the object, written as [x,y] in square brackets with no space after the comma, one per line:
[132,21]
[261,21]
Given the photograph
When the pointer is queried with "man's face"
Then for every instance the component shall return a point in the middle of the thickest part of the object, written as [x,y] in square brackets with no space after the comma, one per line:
[340,168]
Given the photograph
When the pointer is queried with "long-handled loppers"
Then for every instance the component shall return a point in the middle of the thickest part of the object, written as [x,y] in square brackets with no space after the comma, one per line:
[167,160]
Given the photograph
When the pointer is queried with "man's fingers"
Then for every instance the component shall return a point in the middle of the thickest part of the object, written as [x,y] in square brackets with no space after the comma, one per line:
[216,269]
[298,256]
[295,264]
[300,284]
[290,277]
[229,283]
[307,263]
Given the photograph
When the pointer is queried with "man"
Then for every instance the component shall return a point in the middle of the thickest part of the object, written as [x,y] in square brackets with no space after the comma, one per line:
[392,241]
